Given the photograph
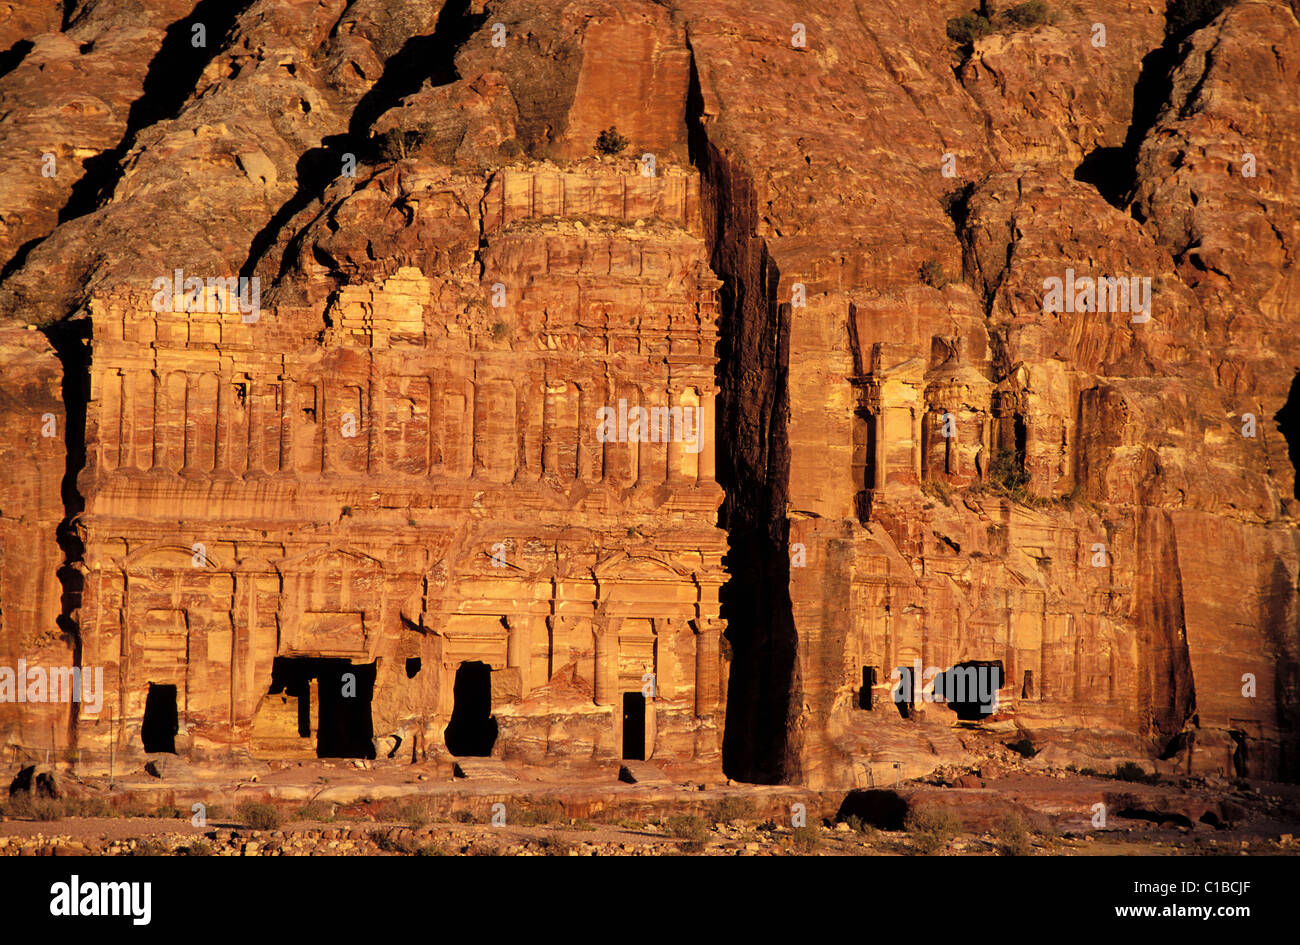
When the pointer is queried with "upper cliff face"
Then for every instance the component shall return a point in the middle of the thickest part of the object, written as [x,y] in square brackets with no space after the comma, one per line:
[941,435]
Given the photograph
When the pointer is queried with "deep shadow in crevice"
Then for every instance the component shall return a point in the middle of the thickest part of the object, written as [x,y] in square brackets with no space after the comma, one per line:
[12,57]
[1160,818]
[1113,171]
[1110,171]
[168,84]
[883,809]
[431,57]
[71,342]
[1288,424]
[752,464]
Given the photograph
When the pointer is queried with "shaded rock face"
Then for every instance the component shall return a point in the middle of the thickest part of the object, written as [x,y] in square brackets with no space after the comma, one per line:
[381,466]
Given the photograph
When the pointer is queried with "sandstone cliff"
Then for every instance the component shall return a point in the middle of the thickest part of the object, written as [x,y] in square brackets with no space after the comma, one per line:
[831,240]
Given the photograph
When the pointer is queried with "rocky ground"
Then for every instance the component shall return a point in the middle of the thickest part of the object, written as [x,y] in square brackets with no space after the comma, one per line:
[350,811]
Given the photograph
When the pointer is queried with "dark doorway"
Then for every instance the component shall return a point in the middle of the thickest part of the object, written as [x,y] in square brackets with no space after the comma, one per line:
[868,683]
[883,809]
[1239,762]
[1027,690]
[970,688]
[472,731]
[344,692]
[345,728]
[293,678]
[634,726]
[903,693]
[161,723]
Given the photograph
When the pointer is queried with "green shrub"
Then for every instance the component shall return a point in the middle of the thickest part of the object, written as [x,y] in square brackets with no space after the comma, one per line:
[1007,472]
[259,816]
[732,808]
[396,144]
[314,810]
[932,274]
[1032,13]
[968,27]
[407,846]
[805,839]
[536,813]
[931,828]
[686,827]
[556,846]
[417,812]
[47,808]
[94,807]
[132,808]
[610,141]
[1129,771]
[1014,839]
[858,825]
[151,847]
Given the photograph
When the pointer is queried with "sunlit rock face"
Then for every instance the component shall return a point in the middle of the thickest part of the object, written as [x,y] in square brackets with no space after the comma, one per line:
[360,406]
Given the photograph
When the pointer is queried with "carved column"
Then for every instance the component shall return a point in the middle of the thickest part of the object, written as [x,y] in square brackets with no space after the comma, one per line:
[606,682]
[707,690]
[708,453]
[675,437]
[519,648]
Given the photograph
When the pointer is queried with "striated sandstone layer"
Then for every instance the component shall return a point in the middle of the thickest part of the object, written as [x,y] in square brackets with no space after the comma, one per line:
[373,514]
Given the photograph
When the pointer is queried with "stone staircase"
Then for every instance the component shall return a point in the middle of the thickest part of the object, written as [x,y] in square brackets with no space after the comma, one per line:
[642,772]
[483,769]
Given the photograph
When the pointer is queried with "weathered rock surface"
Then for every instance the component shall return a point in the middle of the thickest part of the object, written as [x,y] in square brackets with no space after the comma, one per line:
[372,514]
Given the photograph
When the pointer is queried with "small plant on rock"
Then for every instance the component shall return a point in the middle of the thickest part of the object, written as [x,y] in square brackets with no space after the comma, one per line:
[931,828]
[1015,839]
[1132,772]
[259,816]
[805,839]
[686,827]
[610,141]
[932,274]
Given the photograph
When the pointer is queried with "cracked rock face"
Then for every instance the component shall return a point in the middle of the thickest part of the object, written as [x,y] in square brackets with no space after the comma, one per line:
[360,406]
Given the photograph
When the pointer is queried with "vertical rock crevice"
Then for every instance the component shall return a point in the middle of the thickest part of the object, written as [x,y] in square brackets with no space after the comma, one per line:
[429,57]
[1113,171]
[168,84]
[71,342]
[753,463]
